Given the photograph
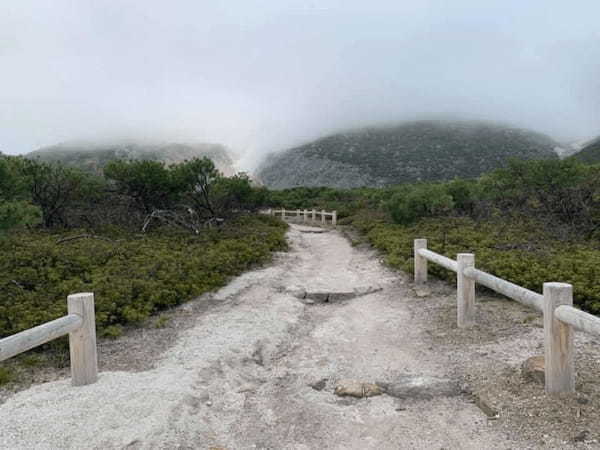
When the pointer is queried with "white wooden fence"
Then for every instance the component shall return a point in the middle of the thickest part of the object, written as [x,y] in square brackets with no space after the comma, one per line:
[80,324]
[560,318]
[307,215]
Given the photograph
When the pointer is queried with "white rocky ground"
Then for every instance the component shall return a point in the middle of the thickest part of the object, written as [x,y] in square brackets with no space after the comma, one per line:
[258,370]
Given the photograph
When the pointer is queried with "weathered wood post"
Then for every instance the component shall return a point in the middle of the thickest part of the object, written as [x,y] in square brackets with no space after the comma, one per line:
[334,218]
[558,340]
[314,216]
[270,212]
[465,291]
[305,218]
[82,342]
[297,213]
[323,217]
[420,262]
[282,213]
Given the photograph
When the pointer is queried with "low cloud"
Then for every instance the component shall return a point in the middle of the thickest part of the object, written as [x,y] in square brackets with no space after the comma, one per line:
[260,76]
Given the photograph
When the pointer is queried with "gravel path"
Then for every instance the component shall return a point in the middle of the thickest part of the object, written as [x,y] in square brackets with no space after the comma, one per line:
[258,369]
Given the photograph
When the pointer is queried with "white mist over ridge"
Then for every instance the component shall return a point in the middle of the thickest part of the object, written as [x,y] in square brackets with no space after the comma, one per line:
[263,76]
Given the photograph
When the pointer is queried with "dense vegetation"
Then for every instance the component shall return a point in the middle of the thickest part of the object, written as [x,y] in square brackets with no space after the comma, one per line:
[132,275]
[410,152]
[144,237]
[529,223]
[93,157]
[589,154]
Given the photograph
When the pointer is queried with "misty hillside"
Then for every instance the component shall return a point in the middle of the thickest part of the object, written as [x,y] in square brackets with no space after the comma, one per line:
[412,151]
[93,157]
[590,153]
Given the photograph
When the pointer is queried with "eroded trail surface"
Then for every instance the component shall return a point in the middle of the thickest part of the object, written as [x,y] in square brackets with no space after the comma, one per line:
[259,370]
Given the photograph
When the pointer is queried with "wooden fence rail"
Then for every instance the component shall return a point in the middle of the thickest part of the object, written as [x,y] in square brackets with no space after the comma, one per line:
[305,213]
[79,324]
[561,319]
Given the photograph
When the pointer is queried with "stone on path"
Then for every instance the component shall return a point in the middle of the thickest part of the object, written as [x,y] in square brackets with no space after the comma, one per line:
[533,369]
[482,401]
[422,292]
[358,389]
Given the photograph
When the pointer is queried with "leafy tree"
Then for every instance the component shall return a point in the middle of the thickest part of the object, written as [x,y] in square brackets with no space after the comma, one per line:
[15,206]
[422,200]
[149,183]
[235,194]
[464,194]
[195,180]
[53,188]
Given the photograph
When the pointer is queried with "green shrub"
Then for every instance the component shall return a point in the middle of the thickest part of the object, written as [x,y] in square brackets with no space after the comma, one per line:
[132,277]
[515,249]
[423,200]
[6,375]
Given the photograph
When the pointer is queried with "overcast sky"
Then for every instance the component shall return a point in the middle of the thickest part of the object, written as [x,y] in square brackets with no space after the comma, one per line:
[260,75]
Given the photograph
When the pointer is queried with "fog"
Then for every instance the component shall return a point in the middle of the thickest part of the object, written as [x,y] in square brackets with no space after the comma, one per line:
[262,75]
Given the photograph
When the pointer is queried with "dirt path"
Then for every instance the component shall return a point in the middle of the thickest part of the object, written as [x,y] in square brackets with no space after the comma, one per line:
[258,370]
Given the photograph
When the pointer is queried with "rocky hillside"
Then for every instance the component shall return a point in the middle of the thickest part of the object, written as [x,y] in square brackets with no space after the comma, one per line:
[590,153]
[92,157]
[412,151]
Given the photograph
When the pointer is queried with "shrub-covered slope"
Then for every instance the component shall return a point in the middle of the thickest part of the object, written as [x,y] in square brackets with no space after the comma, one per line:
[589,154]
[93,157]
[132,275]
[413,151]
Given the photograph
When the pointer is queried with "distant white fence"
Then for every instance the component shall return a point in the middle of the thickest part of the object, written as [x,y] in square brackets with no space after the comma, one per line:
[80,324]
[307,215]
[556,305]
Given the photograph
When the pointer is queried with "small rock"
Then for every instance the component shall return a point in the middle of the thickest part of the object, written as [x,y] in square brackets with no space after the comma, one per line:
[351,388]
[422,292]
[420,387]
[358,389]
[582,401]
[581,436]
[401,408]
[533,369]
[371,390]
[319,385]
[485,405]
[209,403]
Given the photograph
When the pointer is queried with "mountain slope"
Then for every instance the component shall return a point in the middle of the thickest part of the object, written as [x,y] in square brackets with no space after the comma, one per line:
[92,157]
[412,151]
[589,154]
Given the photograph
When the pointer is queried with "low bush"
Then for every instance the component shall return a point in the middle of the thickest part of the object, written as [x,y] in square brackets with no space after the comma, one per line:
[516,249]
[132,275]
[423,200]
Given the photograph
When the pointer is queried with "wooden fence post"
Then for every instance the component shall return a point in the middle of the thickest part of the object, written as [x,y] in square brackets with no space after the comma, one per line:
[465,291]
[334,218]
[305,218]
[558,340]
[282,213]
[323,217]
[314,216]
[82,342]
[297,213]
[420,262]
